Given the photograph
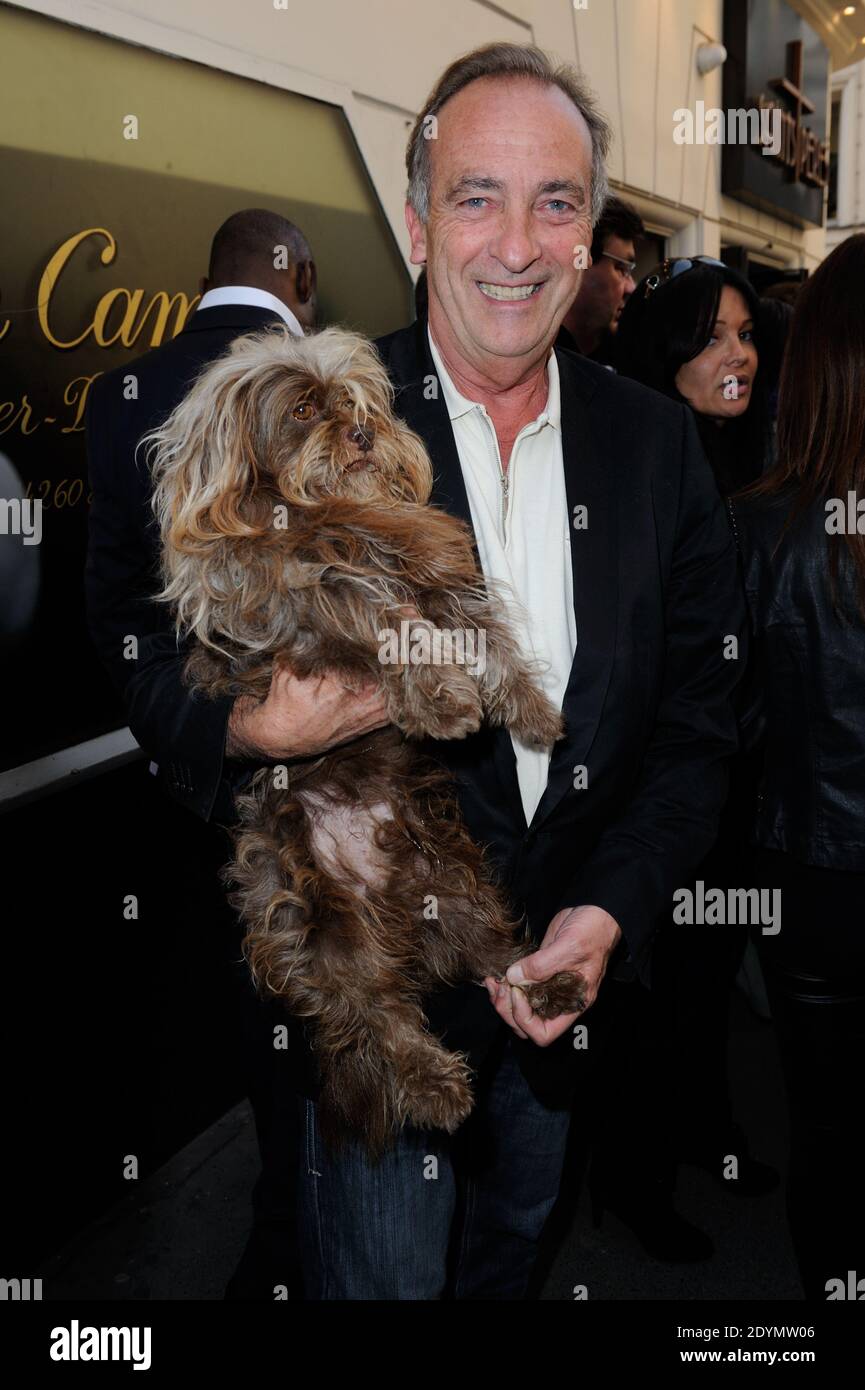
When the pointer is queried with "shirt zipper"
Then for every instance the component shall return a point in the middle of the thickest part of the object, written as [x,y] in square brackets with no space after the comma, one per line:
[504,476]
[505,479]
[506,492]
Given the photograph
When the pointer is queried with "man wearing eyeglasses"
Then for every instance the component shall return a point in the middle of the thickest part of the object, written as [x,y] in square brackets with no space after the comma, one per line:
[606,286]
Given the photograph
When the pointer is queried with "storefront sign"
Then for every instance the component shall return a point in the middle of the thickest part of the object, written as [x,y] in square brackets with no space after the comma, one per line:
[776,63]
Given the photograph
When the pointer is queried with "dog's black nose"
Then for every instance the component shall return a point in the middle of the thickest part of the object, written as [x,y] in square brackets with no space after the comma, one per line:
[362,438]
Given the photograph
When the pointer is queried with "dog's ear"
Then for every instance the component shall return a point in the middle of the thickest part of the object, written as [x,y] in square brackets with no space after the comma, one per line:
[414,464]
[203,463]
[203,458]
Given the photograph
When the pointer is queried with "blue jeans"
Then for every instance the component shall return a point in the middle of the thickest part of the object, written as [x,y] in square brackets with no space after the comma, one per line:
[438,1216]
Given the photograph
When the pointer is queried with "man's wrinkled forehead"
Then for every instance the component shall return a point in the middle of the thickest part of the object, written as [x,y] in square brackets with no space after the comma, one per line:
[496,126]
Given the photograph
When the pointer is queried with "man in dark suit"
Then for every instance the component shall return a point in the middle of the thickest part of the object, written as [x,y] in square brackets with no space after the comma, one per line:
[593,496]
[261,273]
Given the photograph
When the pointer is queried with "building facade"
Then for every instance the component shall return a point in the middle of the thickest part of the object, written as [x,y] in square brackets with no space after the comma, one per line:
[846,212]
[377,61]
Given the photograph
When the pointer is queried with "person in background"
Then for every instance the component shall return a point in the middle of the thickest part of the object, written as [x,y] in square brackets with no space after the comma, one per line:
[803,555]
[260,259]
[243,291]
[690,331]
[593,318]
[787,291]
[776,315]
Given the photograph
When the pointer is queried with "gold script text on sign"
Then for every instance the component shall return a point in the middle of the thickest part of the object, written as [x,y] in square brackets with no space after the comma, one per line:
[134,316]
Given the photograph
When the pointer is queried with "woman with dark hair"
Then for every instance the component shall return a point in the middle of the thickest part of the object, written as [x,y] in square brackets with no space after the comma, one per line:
[802,539]
[689,330]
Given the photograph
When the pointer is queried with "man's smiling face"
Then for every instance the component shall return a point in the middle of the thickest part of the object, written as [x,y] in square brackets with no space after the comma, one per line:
[510,202]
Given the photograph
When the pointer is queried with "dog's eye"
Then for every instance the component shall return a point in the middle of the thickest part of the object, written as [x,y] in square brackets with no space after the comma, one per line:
[304,411]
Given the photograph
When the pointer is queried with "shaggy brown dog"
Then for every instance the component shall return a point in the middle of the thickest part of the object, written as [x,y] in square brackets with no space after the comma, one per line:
[291,503]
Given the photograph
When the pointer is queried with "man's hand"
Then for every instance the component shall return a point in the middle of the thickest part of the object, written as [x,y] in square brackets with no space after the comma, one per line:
[300,718]
[581,939]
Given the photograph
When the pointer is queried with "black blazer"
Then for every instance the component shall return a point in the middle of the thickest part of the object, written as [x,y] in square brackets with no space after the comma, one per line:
[648,705]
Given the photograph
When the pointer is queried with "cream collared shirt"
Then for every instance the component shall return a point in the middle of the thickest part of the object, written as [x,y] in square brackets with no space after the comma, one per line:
[248,294]
[523,541]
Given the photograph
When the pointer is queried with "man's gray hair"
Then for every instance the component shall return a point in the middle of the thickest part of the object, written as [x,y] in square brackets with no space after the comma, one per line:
[506,60]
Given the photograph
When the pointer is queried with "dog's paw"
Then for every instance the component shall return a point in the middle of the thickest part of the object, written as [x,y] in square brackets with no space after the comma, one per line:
[564,993]
[443,1098]
[445,707]
[532,717]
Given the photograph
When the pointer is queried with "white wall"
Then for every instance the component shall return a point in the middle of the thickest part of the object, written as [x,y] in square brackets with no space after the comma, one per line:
[379,58]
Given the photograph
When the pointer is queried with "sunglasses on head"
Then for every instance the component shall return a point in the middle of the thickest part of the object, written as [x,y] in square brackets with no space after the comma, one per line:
[671,269]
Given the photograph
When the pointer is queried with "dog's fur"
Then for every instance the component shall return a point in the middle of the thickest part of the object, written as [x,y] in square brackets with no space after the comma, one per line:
[291,504]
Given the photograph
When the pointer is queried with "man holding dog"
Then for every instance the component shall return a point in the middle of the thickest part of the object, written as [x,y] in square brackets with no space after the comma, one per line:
[590,496]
